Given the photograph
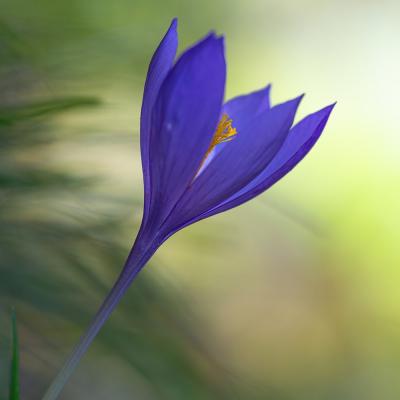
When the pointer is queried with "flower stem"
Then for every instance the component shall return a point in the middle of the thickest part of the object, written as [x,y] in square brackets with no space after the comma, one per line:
[134,264]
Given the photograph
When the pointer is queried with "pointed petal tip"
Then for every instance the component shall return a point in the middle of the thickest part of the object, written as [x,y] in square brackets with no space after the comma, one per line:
[210,43]
[295,102]
[173,26]
[221,43]
[267,91]
[267,88]
[299,98]
[289,106]
[332,106]
[212,40]
[212,35]
[326,111]
[221,39]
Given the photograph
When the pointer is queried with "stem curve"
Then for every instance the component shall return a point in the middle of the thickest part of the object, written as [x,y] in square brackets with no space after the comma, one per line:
[137,259]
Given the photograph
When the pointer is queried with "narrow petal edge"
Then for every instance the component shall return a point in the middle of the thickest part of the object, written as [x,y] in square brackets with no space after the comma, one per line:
[160,64]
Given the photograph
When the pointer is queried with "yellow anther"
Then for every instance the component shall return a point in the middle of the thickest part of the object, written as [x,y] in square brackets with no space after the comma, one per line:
[223,133]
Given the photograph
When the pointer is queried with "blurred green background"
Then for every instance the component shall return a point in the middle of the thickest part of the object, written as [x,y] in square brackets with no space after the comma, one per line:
[292,296]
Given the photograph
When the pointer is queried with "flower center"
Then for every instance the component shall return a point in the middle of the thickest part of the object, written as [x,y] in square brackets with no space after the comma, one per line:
[224,133]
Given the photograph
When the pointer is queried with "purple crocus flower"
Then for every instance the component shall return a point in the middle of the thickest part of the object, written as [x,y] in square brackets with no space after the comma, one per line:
[201,156]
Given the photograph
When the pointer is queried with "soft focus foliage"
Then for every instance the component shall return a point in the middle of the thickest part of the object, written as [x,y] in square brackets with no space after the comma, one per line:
[294,296]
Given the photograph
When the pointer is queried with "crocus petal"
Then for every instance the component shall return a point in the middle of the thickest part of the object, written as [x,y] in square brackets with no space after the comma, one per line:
[159,67]
[299,142]
[245,108]
[184,119]
[239,163]
[242,110]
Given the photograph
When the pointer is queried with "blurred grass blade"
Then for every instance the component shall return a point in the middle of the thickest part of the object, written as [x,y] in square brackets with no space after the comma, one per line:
[10,115]
[14,376]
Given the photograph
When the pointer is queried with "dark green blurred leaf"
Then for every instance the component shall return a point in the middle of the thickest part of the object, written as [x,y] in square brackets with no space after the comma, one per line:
[14,375]
[39,179]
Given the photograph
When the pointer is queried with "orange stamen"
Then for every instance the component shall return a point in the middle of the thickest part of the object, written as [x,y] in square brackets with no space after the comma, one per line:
[223,133]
